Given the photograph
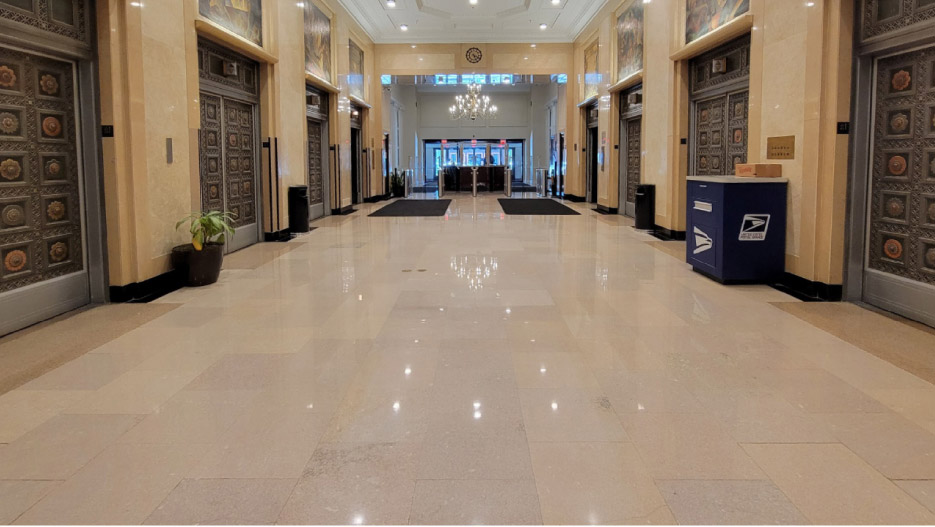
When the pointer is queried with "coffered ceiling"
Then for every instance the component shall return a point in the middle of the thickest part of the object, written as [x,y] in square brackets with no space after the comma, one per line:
[457,21]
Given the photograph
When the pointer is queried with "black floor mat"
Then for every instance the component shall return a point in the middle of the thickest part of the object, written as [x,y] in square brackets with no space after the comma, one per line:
[414,207]
[536,207]
[522,187]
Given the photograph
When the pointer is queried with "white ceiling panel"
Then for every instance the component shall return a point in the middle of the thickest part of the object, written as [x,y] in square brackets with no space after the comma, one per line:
[457,21]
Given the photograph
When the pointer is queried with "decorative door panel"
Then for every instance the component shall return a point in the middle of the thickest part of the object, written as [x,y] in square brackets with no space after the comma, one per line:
[240,161]
[634,156]
[40,198]
[210,152]
[737,107]
[901,237]
[63,18]
[228,158]
[708,139]
[315,168]
[884,17]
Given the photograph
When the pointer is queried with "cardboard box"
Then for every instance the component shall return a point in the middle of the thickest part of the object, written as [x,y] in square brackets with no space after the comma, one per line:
[771,170]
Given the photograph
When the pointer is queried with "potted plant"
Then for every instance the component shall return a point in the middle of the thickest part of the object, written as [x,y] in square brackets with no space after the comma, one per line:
[200,261]
[397,184]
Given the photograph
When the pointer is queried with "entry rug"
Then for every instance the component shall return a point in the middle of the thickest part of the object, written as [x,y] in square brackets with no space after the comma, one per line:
[414,207]
[536,207]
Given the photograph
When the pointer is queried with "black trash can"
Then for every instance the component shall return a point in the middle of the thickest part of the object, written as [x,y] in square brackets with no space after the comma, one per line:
[645,207]
[298,209]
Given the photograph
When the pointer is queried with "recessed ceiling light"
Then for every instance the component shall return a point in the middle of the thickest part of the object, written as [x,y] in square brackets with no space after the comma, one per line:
[543,26]
[472,2]
[556,2]
[390,3]
[404,27]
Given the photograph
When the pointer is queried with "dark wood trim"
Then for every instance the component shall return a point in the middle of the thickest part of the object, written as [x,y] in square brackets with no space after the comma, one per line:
[606,210]
[147,290]
[377,198]
[667,235]
[277,236]
[573,198]
[809,291]
[343,211]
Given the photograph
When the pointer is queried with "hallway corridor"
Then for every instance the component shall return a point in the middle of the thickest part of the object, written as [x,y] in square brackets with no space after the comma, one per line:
[472,368]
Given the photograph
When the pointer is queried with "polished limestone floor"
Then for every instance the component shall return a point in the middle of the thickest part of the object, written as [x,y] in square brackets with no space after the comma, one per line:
[473,368]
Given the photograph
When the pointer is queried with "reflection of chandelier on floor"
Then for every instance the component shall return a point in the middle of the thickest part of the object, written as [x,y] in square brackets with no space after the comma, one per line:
[473,106]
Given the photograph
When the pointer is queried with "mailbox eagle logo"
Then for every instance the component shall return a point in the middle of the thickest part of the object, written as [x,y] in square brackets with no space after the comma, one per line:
[754,227]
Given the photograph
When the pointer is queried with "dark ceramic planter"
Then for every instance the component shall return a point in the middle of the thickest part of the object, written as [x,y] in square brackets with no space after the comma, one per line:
[198,267]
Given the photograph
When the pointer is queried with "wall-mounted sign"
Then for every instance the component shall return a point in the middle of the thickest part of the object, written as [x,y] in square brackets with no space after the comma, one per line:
[780,147]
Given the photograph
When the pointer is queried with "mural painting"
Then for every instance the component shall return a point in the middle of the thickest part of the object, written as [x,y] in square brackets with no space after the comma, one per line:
[704,16]
[241,17]
[355,76]
[317,42]
[630,40]
[591,73]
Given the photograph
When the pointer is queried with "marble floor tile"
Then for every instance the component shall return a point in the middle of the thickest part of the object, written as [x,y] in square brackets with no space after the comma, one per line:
[365,373]
[61,446]
[23,410]
[223,502]
[922,490]
[355,483]
[818,391]
[567,414]
[688,446]
[595,483]
[713,502]
[475,502]
[16,497]
[829,484]
[452,457]
[888,442]
[122,485]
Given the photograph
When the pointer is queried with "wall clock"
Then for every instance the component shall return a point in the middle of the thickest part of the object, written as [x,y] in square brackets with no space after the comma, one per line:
[473,55]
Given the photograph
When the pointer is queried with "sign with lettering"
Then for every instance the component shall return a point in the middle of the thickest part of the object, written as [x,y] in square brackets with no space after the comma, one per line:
[780,147]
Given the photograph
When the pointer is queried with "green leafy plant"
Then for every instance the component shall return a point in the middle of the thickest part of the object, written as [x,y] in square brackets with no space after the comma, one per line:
[208,227]
[397,184]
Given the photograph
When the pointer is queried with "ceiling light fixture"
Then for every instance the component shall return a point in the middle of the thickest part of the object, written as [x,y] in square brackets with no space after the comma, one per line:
[543,26]
[472,106]
[390,3]
[472,2]
[556,2]
[404,27]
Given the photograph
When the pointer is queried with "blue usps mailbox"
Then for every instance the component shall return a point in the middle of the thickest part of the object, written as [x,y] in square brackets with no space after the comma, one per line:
[736,228]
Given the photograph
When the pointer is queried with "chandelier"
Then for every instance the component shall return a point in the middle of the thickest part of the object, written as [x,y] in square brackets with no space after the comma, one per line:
[473,106]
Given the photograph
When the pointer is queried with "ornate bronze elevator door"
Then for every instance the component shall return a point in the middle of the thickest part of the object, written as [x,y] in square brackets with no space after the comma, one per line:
[229,138]
[228,163]
[720,98]
[316,195]
[40,184]
[901,230]
[720,134]
[634,157]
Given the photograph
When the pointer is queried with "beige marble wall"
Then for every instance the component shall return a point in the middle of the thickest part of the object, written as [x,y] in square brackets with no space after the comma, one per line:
[799,86]
[150,91]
